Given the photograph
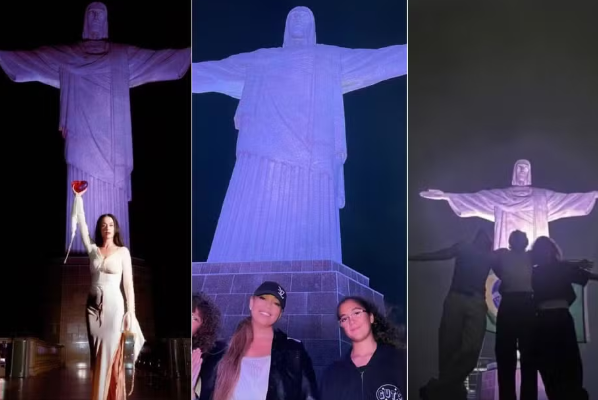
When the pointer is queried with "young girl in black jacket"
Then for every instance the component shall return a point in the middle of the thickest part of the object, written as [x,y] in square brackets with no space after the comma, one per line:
[375,366]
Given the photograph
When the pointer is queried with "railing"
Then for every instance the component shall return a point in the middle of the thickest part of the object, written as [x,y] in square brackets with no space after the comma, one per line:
[30,356]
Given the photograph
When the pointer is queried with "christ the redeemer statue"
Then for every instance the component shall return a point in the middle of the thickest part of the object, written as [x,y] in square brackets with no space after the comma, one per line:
[518,207]
[287,186]
[94,77]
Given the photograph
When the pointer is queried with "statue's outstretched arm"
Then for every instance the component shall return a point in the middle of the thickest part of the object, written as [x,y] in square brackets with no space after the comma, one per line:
[361,68]
[38,65]
[225,76]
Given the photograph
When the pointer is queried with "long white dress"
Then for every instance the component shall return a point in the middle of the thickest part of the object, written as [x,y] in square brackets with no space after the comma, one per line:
[106,312]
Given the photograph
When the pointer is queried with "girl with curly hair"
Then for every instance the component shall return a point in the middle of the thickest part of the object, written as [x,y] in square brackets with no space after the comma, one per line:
[375,365]
[207,350]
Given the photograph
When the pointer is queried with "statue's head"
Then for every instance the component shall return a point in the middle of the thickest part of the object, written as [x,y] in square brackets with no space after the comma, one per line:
[300,29]
[522,173]
[95,26]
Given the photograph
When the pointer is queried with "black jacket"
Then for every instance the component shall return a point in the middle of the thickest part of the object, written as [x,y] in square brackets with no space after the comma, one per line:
[292,375]
[383,378]
[554,281]
[208,369]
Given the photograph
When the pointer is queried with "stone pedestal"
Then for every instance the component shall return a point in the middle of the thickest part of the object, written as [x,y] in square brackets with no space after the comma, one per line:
[68,287]
[314,289]
[489,384]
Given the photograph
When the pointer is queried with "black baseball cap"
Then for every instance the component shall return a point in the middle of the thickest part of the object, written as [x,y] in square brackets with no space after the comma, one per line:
[273,289]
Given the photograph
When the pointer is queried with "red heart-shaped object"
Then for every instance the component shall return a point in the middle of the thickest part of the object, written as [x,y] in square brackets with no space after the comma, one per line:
[79,186]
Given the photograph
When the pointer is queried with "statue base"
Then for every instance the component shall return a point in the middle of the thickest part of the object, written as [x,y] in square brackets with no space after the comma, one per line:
[64,305]
[314,289]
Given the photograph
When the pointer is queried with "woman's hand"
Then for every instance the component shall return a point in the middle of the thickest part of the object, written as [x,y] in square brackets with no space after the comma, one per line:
[79,193]
[196,361]
[128,321]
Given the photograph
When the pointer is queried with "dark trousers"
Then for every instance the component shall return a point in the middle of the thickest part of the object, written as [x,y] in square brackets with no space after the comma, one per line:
[557,355]
[514,331]
[460,340]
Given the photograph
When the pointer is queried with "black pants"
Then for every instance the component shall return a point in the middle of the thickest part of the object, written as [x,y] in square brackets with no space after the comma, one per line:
[514,330]
[460,340]
[557,355]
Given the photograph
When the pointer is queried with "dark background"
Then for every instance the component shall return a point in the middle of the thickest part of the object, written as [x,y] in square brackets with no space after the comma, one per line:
[373,225]
[34,171]
[489,83]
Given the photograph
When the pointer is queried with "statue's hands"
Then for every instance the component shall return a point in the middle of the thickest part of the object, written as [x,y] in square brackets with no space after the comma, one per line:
[433,194]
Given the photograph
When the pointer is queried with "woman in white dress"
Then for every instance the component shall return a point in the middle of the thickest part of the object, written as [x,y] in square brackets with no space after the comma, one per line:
[107,323]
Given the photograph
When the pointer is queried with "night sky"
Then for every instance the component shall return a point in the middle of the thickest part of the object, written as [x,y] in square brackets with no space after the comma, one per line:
[373,224]
[34,183]
[489,83]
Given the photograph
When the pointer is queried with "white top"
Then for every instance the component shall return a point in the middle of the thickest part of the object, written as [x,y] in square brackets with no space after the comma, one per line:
[253,379]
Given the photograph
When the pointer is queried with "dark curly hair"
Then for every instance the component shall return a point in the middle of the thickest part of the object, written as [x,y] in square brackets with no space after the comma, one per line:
[385,332]
[206,335]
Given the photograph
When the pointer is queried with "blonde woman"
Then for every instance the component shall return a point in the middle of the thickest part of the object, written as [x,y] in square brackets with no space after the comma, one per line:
[263,363]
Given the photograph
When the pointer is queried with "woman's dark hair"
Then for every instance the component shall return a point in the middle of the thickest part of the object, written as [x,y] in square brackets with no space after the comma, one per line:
[545,251]
[384,330]
[206,335]
[117,239]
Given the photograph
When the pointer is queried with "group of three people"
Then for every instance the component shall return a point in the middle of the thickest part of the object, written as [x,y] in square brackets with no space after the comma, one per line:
[533,318]
[262,362]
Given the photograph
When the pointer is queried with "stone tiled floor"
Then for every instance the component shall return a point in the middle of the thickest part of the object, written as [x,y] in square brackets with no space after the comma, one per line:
[75,384]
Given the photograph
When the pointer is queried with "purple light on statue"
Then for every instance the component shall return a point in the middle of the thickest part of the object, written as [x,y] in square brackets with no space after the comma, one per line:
[519,206]
[94,77]
[287,186]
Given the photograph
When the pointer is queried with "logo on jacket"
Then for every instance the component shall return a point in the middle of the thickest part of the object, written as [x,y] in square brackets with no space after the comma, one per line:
[388,392]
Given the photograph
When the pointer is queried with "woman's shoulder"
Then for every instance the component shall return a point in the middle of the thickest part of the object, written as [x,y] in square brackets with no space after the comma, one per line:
[294,344]
[281,336]
[220,346]
[398,356]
